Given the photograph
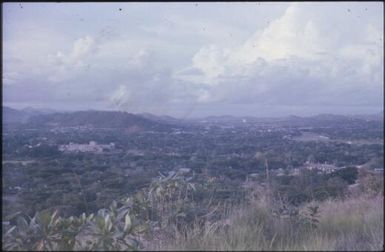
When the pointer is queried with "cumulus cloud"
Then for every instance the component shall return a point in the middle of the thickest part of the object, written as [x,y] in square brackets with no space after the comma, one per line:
[82,48]
[65,66]
[294,60]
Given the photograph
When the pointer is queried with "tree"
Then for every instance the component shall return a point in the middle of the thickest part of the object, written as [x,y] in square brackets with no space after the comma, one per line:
[348,174]
[261,156]
[370,183]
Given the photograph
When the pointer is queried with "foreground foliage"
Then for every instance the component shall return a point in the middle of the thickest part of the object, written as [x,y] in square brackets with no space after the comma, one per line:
[348,225]
[109,229]
[169,215]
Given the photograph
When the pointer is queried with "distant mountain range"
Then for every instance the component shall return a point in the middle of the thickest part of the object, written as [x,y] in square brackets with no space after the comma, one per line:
[11,115]
[339,118]
[98,119]
[321,119]
[34,111]
[146,121]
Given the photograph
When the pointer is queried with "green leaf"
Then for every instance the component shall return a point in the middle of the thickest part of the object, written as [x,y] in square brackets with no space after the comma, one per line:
[100,222]
[107,219]
[109,226]
[127,222]
[122,213]
[158,191]
[10,230]
[53,216]
[45,218]
[11,216]
[22,223]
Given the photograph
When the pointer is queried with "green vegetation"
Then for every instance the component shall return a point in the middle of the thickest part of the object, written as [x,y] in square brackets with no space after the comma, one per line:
[165,216]
[192,185]
[109,229]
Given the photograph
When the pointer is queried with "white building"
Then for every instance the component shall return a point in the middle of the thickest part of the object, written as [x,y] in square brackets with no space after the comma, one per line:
[91,147]
[323,168]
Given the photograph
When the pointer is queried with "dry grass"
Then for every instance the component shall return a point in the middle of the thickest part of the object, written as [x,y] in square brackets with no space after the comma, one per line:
[352,224]
[356,224]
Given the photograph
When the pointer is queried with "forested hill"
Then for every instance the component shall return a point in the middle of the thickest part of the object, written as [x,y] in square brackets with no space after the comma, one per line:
[11,115]
[91,118]
[98,119]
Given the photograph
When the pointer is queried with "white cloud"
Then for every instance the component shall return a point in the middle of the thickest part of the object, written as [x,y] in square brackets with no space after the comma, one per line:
[210,61]
[183,56]
[81,49]
[294,52]
[89,55]
[65,66]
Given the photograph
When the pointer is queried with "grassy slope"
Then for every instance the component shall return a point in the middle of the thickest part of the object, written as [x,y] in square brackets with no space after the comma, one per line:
[352,224]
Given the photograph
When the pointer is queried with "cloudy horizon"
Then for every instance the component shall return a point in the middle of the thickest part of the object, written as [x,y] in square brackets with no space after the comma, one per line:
[195,59]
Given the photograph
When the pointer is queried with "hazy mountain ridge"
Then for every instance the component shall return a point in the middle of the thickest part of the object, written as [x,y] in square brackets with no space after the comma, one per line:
[11,116]
[162,119]
[98,119]
[34,111]
[292,120]
[147,121]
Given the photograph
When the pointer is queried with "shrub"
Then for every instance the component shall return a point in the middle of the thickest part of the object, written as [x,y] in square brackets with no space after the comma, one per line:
[109,229]
[370,183]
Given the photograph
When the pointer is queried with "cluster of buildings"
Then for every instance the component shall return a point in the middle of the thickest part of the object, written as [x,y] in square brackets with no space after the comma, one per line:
[321,168]
[92,146]
[60,129]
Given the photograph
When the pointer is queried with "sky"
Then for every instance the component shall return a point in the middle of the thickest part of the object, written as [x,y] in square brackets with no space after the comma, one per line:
[195,59]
